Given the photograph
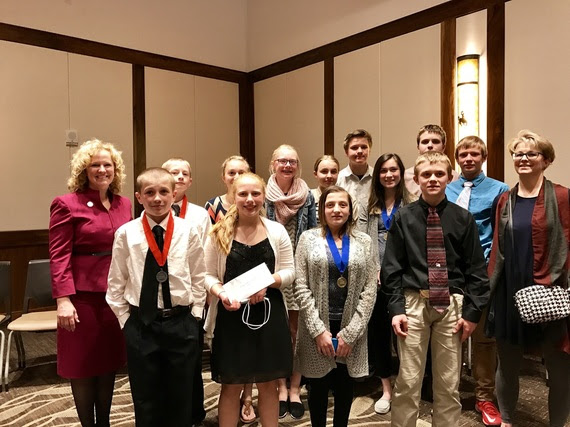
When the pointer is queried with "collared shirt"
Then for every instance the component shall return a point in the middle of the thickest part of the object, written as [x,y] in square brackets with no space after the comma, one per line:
[186,268]
[199,218]
[405,260]
[483,193]
[415,188]
[359,189]
[80,226]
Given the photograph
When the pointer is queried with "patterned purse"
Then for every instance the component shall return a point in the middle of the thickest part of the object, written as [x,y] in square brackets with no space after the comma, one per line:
[541,304]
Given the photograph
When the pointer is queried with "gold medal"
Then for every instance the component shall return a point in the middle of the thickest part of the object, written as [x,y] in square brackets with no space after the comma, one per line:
[341,282]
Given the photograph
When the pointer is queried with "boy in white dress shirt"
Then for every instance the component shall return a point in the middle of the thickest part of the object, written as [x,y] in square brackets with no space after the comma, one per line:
[156,288]
[197,216]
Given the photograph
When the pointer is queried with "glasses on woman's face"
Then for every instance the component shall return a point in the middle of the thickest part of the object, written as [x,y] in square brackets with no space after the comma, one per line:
[283,162]
[530,155]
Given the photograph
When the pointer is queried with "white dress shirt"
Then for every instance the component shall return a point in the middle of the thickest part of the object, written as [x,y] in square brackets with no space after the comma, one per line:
[186,268]
[199,218]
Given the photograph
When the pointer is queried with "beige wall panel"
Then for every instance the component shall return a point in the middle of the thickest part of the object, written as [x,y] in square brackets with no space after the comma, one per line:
[409,89]
[100,99]
[170,118]
[305,116]
[357,98]
[289,109]
[212,32]
[537,93]
[270,103]
[217,134]
[33,118]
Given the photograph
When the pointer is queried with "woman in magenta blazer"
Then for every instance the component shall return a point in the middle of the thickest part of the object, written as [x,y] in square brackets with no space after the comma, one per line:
[90,345]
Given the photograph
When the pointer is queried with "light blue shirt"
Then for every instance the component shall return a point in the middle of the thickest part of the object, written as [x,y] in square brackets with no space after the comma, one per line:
[483,193]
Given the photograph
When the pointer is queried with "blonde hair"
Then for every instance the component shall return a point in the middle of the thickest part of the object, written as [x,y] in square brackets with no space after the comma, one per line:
[539,142]
[432,157]
[222,233]
[82,159]
[322,159]
[229,159]
[170,162]
[152,176]
[274,157]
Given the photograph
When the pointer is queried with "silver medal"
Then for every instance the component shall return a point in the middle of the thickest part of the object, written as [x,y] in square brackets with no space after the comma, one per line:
[162,276]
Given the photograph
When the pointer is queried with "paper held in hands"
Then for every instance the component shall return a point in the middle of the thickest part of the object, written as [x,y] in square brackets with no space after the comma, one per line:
[249,283]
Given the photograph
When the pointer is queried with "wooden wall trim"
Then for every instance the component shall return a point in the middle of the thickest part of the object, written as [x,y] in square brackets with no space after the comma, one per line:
[29,36]
[139,127]
[329,106]
[496,90]
[12,239]
[448,78]
[425,18]
[247,121]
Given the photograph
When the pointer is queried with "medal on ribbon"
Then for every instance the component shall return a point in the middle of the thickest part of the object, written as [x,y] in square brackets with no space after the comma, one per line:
[340,259]
[160,257]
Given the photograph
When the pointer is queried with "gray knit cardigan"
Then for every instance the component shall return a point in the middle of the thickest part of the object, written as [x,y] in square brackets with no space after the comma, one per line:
[311,292]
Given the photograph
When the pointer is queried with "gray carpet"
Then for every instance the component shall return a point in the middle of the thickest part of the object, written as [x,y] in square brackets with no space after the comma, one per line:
[38,397]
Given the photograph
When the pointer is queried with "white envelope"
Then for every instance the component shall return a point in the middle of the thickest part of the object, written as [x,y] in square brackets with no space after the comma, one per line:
[249,283]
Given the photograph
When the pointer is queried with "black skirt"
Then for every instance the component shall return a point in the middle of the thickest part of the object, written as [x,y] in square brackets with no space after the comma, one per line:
[241,355]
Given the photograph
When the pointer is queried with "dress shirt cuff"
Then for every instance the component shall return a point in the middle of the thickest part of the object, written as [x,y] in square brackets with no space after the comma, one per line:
[123,319]
[396,310]
[471,314]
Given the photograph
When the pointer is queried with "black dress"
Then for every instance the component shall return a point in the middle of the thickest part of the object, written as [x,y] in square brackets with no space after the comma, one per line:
[241,355]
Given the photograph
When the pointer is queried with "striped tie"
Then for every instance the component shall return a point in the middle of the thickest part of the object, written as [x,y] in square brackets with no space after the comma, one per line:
[437,265]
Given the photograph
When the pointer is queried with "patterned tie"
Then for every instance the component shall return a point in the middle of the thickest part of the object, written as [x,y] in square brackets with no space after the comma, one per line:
[465,195]
[437,265]
[149,290]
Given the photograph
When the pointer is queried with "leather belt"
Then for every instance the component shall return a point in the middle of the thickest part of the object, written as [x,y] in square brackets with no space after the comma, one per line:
[165,313]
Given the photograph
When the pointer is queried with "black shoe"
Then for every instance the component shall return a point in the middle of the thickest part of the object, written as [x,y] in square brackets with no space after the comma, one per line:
[297,410]
[283,408]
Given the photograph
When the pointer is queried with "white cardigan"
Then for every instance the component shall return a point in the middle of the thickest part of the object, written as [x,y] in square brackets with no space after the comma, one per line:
[216,267]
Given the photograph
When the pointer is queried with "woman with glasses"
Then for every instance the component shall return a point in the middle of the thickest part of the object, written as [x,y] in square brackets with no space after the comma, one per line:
[289,202]
[530,247]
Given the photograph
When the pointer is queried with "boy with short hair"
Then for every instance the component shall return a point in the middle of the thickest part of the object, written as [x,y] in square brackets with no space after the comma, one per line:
[197,216]
[435,278]
[430,137]
[156,280]
[476,192]
[356,178]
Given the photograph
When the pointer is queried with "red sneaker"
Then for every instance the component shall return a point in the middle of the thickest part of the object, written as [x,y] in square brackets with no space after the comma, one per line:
[489,413]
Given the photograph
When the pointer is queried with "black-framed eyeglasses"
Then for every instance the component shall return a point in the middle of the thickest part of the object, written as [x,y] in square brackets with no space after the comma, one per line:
[283,162]
[530,155]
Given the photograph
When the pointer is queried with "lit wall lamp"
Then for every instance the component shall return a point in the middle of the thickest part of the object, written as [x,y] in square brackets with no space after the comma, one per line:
[467,95]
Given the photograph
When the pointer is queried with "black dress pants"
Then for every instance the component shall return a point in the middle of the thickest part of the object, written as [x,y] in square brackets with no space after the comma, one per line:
[342,386]
[161,361]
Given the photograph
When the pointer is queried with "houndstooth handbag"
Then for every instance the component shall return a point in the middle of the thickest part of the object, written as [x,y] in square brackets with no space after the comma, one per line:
[540,304]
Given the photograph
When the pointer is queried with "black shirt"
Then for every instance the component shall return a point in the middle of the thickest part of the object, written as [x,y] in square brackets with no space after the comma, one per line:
[405,261]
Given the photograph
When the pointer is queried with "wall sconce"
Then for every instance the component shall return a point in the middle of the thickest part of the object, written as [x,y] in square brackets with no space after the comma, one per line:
[467,96]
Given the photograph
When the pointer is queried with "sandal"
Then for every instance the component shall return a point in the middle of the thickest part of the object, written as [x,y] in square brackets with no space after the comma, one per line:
[247,414]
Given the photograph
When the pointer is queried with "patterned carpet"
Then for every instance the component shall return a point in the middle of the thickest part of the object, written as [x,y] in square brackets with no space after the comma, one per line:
[38,397]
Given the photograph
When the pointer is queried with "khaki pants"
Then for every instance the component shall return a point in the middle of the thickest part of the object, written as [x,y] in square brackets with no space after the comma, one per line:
[484,362]
[423,322]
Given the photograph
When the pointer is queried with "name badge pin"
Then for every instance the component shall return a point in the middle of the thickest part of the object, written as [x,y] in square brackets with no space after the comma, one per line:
[90,204]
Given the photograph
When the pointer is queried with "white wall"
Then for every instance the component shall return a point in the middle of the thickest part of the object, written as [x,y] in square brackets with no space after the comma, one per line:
[537,93]
[279,29]
[211,32]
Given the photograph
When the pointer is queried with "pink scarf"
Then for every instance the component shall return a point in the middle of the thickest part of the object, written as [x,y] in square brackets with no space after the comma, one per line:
[287,205]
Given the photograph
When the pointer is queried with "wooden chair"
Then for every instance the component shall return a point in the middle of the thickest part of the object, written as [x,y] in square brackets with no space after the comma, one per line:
[38,289]
[5,309]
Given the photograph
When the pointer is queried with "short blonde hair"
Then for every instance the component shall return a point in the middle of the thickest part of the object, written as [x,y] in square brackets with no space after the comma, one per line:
[274,157]
[168,165]
[223,231]
[432,157]
[153,175]
[471,141]
[529,137]
[82,159]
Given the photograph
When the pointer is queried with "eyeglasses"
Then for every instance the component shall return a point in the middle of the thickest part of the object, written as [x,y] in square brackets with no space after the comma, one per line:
[530,155]
[283,162]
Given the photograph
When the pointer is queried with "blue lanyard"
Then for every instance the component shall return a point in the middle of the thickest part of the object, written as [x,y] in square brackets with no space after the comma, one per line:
[340,262]
[388,219]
